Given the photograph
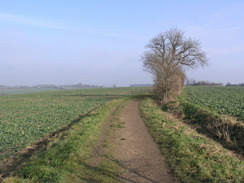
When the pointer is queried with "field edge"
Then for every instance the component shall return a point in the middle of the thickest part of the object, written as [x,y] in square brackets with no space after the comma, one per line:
[67,155]
[192,157]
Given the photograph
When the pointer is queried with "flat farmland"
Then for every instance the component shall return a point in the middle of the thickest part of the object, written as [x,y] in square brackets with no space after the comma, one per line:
[28,117]
[224,100]
[24,90]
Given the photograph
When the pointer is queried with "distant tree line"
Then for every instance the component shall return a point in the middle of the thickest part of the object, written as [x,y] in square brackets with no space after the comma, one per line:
[192,82]
[141,85]
[229,84]
[75,86]
[2,93]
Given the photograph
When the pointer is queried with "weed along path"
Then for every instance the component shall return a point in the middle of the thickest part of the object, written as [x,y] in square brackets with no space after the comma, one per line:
[136,151]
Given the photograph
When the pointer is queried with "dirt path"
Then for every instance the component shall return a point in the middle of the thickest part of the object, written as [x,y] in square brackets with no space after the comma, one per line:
[137,152]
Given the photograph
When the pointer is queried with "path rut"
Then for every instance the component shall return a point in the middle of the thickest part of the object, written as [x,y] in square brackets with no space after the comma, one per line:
[137,152]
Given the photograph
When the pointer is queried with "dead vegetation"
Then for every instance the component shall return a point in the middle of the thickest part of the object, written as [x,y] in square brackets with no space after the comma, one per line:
[222,128]
[169,54]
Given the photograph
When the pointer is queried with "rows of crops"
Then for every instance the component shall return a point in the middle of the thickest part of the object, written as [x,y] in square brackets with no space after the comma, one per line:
[224,100]
[28,117]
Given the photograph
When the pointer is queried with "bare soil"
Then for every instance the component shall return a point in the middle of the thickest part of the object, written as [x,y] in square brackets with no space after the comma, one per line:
[136,151]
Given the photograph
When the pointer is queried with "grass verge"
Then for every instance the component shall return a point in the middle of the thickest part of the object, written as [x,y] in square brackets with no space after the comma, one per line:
[66,158]
[223,128]
[192,157]
[103,167]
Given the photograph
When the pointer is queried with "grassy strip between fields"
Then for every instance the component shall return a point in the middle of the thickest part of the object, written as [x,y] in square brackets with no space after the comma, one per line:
[225,128]
[192,157]
[66,158]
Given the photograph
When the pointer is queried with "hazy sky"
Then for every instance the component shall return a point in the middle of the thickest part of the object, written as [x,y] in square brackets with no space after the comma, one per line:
[101,41]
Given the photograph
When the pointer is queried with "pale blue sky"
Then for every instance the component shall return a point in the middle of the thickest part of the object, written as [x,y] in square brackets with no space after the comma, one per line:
[101,42]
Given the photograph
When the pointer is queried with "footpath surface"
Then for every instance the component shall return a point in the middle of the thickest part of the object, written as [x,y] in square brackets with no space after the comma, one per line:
[136,151]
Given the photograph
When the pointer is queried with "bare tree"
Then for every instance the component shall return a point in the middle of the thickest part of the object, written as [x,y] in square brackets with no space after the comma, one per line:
[167,57]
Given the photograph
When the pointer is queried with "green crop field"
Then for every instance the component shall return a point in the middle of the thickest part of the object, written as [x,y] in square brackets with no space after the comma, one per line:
[28,117]
[224,100]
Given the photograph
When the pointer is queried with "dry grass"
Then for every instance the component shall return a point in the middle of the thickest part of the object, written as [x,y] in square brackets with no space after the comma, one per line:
[192,156]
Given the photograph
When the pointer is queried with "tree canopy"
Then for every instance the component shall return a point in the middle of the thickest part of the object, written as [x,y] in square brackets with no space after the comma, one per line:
[167,57]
